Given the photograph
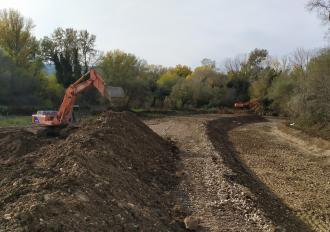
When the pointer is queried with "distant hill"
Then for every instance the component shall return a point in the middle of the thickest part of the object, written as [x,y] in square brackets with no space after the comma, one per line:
[49,69]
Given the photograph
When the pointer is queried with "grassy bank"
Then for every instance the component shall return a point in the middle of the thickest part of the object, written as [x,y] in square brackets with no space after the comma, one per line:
[158,113]
[150,113]
[14,120]
[317,130]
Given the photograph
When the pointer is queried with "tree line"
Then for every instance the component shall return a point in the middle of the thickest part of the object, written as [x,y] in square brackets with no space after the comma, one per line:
[296,86]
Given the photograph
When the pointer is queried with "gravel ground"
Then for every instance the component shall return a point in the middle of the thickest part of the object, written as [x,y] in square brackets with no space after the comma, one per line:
[294,166]
[207,191]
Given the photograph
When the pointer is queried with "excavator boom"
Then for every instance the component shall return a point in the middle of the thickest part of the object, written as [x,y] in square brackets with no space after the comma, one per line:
[64,114]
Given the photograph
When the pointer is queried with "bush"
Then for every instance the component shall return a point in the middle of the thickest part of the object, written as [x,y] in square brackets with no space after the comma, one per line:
[281,92]
[311,104]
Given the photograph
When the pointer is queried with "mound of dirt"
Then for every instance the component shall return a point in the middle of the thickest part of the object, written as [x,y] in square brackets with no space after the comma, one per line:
[112,174]
[14,142]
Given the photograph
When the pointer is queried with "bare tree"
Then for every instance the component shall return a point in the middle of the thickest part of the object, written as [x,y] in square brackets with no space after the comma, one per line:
[274,63]
[235,65]
[322,7]
[301,58]
[87,47]
[285,64]
[208,62]
[281,64]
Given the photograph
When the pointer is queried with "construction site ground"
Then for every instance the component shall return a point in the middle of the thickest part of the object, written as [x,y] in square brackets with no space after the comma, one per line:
[210,172]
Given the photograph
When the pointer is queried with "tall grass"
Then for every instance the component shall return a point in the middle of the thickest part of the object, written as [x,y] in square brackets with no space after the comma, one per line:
[14,120]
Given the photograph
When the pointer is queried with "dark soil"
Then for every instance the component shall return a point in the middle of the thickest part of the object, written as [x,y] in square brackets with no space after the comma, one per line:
[112,174]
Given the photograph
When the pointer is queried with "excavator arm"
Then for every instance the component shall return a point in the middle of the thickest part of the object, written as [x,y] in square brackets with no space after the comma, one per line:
[64,114]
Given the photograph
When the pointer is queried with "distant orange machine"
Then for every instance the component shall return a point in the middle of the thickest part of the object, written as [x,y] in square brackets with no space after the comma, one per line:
[247,105]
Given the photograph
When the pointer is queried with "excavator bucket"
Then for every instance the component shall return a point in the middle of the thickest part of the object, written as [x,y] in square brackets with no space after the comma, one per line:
[115,95]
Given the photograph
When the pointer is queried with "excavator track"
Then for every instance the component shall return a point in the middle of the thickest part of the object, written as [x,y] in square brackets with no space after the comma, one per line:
[50,131]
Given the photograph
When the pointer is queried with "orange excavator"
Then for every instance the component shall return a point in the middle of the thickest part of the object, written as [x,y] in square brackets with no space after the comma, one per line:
[64,116]
[252,105]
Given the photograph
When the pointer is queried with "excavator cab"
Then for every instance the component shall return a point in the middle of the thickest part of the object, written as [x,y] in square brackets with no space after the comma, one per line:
[44,117]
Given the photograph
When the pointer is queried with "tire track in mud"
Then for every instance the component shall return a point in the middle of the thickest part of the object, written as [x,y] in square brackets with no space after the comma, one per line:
[290,183]
[207,191]
[278,212]
[313,155]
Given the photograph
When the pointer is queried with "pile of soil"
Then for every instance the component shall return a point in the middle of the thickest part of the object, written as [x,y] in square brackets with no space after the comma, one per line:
[112,174]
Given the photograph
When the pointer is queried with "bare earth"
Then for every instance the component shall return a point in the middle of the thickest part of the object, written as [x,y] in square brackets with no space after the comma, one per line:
[244,173]
[218,173]
[111,174]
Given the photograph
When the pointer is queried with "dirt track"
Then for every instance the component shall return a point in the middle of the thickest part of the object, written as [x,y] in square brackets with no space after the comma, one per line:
[243,173]
[292,166]
[204,191]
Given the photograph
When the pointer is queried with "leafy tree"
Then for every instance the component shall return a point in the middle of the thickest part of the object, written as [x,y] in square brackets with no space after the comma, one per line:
[20,90]
[169,78]
[311,103]
[204,74]
[151,75]
[167,81]
[71,51]
[280,93]
[255,63]
[208,62]
[256,57]
[125,70]
[242,73]
[259,88]
[205,87]
[54,91]
[165,84]
[240,87]
[16,37]
[87,48]
[202,94]
[182,70]
[181,94]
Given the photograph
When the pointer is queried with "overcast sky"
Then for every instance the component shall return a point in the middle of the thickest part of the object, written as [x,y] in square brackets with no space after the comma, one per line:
[170,32]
